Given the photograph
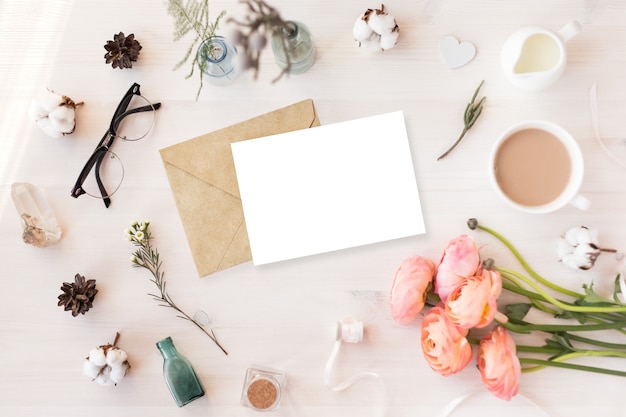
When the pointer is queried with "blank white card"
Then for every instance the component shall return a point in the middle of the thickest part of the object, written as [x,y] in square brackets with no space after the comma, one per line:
[328,188]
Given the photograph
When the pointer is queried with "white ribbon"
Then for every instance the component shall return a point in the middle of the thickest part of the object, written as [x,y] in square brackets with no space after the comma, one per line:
[593,95]
[351,331]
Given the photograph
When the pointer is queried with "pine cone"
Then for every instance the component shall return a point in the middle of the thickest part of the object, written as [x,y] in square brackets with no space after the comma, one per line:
[78,296]
[122,51]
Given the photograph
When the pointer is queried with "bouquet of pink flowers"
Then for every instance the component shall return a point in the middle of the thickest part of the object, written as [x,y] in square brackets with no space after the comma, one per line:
[462,294]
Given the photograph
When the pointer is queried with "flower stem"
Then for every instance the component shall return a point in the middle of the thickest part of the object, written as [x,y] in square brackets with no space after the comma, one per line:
[552,328]
[525,264]
[558,363]
[560,304]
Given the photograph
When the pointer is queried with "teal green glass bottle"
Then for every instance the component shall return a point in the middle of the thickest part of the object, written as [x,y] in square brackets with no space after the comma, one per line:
[179,375]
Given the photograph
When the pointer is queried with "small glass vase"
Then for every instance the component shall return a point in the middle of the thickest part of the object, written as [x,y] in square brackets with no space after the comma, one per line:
[179,375]
[300,48]
[217,59]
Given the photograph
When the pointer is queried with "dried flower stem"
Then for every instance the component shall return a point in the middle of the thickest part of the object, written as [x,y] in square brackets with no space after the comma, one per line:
[472,112]
[263,20]
[148,257]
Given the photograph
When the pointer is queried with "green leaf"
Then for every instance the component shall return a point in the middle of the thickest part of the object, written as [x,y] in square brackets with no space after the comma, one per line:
[617,289]
[592,298]
[518,311]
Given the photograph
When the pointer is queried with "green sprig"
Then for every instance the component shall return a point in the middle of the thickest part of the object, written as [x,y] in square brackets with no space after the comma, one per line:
[472,112]
[193,17]
[148,257]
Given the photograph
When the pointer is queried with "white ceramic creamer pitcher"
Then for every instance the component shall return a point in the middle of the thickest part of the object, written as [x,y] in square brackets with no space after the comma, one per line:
[533,58]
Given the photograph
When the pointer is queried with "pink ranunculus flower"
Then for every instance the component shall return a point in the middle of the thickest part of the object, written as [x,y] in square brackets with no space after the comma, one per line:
[474,302]
[498,363]
[460,260]
[444,345]
[410,287]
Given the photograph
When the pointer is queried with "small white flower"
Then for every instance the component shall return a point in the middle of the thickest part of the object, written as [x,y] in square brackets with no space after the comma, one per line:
[376,29]
[139,236]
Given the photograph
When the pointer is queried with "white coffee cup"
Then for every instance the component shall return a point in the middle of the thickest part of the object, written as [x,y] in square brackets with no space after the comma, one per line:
[534,57]
[537,166]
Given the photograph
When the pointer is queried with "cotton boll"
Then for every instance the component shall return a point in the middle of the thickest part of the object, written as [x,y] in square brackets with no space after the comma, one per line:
[116,356]
[381,23]
[98,357]
[389,40]
[62,119]
[361,30]
[375,26]
[104,377]
[91,369]
[36,111]
[54,113]
[45,124]
[50,100]
[119,372]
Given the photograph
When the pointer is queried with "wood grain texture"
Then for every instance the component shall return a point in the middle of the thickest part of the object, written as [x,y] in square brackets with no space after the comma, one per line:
[283,315]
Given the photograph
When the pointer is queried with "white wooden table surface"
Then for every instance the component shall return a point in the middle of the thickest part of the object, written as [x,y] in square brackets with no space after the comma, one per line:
[283,315]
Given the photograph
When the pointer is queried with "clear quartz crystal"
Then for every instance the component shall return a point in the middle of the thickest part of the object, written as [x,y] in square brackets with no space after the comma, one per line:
[40,225]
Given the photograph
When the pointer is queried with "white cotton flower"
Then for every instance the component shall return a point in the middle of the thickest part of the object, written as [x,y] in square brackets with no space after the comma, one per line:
[578,248]
[54,113]
[106,365]
[361,30]
[118,372]
[116,356]
[91,369]
[104,377]
[389,40]
[376,29]
[97,356]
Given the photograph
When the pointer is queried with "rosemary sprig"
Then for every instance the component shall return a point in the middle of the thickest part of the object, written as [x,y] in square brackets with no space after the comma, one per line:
[148,257]
[472,112]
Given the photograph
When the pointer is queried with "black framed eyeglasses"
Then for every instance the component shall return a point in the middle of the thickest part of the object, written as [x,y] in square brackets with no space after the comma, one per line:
[127,124]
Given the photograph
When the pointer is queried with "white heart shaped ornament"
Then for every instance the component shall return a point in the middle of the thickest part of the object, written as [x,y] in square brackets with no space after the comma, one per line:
[454,53]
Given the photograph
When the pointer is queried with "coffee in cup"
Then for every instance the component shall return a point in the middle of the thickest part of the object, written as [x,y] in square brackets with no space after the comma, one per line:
[537,167]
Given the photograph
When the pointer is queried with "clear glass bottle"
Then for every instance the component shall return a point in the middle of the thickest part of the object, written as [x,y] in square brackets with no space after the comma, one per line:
[300,48]
[217,59]
[179,375]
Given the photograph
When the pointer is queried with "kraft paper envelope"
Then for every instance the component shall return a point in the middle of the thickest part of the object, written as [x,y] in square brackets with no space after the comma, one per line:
[333,187]
[202,177]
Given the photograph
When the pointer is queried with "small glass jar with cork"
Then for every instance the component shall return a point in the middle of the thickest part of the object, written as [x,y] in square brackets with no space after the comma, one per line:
[262,388]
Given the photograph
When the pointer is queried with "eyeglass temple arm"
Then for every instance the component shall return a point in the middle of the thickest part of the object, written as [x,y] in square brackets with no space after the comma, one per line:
[115,123]
[103,191]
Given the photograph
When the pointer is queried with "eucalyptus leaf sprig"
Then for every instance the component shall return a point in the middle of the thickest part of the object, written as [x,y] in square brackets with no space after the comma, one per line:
[148,257]
[472,112]
[193,16]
